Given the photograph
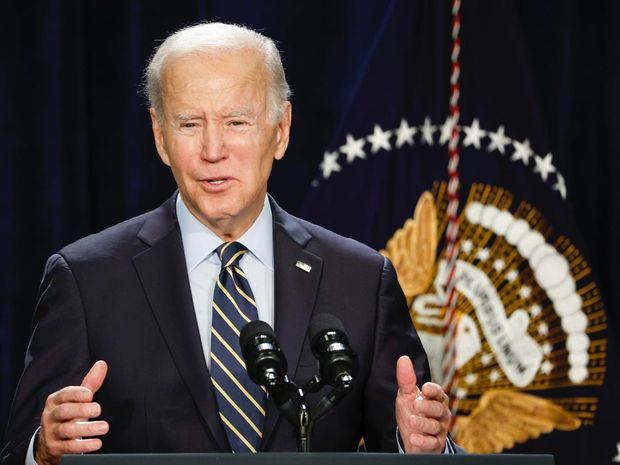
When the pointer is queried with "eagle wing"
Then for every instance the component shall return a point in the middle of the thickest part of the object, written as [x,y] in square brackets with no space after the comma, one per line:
[503,418]
[413,248]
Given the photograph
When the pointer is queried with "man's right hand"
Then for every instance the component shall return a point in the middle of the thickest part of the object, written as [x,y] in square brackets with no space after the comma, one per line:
[65,425]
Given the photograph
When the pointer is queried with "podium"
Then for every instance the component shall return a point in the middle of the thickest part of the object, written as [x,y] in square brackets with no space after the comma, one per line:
[292,458]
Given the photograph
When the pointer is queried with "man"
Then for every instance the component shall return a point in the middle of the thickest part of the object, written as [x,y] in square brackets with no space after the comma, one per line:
[127,324]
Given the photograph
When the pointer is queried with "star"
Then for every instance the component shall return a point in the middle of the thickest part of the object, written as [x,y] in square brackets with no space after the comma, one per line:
[483,254]
[330,164]
[380,139]
[427,131]
[525,292]
[522,152]
[446,130]
[543,329]
[486,359]
[498,141]
[616,459]
[404,133]
[494,375]
[461,393]
[498,265]
[546,367]
[473,134]
[353,148]
[544,166]
[512,275]
[535,310]
[547,348]
[560,185]
[467,246]
[470,378]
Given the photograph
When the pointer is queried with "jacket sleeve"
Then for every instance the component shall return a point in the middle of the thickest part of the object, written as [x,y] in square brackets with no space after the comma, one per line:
[394,336]
[57,356]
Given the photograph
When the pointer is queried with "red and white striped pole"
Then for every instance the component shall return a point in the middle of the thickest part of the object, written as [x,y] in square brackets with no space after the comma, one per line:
[452,230]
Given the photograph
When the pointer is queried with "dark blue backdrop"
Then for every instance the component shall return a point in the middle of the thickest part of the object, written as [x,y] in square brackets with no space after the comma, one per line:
[76,150]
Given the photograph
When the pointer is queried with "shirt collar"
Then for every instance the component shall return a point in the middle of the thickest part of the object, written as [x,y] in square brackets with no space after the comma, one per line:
[199,241]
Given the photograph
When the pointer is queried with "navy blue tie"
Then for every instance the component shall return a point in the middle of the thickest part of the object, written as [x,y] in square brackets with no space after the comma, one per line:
[241,403]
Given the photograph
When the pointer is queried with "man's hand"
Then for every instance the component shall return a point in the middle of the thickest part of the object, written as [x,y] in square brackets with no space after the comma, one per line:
[64,421]
[423,416]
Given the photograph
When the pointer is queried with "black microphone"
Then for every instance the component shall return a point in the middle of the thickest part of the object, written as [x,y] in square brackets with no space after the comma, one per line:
[266,364]
[338,364]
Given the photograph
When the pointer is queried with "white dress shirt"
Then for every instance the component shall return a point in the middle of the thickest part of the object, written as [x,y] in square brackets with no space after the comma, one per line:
[203,266]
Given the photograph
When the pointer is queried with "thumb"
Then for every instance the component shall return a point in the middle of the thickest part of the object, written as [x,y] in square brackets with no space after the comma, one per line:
[95,377]
[405,376]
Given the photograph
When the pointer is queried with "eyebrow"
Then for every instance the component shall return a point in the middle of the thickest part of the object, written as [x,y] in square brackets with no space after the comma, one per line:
[185,117]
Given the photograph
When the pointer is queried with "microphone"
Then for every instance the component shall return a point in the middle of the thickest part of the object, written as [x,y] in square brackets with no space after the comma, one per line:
[338,364]
[266,364]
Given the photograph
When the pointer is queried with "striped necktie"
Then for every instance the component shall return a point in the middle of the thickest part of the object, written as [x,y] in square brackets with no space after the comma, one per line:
[241,402]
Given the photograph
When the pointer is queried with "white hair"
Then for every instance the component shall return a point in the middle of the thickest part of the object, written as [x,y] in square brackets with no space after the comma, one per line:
[215,38]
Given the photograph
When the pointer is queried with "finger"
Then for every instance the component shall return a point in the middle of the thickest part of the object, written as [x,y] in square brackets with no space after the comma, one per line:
[428,426]
[69,394]
[95,377]
[81,429]
[405,376]
[79,446]
[433,391]
[73,411]
[424,444]
[430,408]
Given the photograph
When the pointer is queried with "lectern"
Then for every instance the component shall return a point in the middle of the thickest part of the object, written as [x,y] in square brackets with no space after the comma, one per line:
[290,458]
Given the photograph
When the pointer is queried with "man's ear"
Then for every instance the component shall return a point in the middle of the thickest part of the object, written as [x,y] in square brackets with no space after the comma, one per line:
[283,131]
[158,135]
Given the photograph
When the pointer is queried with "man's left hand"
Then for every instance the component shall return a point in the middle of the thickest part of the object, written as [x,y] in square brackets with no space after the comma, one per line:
[422,415]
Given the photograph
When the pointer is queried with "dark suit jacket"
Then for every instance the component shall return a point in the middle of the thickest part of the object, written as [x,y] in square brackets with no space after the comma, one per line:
[123,296]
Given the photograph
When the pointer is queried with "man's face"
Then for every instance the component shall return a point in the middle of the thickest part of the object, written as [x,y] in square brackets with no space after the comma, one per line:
[218,136]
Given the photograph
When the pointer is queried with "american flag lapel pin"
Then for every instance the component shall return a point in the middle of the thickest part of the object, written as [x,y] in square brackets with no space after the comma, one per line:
[303,266]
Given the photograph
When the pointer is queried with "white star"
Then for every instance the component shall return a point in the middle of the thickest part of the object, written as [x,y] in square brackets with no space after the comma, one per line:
[486,359]
[380,139]
[353,148]
[330,164]
[473,134]
[544,166]
[560,185]
[512,275]
[483,254]
[494,375]
[427,131]
[547,348]
[546,367]
[535,310]
[522,152]
[498,265]
[470,378]
[525,292]
[404,133]
[467,246]
[616,459]
[446,130]
[543,329]
[461,393]
[498,141]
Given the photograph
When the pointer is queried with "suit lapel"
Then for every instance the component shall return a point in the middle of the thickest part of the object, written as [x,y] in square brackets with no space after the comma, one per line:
[163,274]
[297,275]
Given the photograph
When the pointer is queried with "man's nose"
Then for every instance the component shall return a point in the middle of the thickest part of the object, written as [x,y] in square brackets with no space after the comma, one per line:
[213,144]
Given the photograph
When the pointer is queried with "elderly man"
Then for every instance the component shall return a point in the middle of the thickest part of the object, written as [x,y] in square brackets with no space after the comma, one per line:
[138,325]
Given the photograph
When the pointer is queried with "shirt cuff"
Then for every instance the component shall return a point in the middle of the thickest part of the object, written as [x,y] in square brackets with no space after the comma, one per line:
[30,452]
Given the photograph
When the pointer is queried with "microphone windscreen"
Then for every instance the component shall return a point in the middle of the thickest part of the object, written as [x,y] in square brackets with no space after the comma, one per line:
[321,323]
[253,329]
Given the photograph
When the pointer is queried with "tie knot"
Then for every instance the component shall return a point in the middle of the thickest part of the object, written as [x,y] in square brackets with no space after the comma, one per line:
[230,253]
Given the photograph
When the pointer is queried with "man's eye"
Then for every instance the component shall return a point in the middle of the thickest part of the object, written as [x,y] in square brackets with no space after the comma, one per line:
[237,123]
[188,125]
